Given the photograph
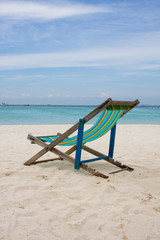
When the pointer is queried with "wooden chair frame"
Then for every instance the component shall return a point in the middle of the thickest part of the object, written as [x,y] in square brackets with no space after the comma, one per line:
[79,146]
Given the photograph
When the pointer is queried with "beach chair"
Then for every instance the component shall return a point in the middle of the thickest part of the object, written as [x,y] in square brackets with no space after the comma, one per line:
[109,113]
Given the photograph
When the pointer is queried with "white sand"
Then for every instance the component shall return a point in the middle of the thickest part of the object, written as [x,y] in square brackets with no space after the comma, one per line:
[52,201]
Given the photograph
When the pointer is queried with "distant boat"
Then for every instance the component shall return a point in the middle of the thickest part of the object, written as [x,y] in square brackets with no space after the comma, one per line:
[26,105]
[4,104]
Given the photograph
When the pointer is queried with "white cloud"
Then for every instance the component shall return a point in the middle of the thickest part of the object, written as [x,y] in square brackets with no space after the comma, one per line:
[104,95]
[135,57]
[17,96]
[25,95]
[29,96]
[68,96]
[51,95]
[33,10]
[57,95]
[26,77]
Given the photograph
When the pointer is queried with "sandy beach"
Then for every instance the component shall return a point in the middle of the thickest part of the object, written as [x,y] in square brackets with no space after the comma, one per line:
[52,201]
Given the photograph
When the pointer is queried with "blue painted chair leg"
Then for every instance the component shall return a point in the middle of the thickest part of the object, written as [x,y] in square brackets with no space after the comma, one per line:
[79,144]
[112,141]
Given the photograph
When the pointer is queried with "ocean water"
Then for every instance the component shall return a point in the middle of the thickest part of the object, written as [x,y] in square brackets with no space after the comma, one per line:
[39,115]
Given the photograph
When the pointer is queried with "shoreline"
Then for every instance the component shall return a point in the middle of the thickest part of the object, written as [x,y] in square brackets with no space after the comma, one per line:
[71,124]
[54,201]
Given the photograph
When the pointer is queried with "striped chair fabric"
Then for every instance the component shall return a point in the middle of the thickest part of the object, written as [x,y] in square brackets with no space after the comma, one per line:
[107,119]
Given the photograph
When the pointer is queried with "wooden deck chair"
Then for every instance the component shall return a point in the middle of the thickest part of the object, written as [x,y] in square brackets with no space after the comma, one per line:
[110,111]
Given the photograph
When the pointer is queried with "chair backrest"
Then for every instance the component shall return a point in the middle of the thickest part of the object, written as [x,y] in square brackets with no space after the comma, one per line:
[107,119]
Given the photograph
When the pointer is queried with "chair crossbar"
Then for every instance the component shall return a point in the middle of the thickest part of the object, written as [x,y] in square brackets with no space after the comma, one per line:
[94,159]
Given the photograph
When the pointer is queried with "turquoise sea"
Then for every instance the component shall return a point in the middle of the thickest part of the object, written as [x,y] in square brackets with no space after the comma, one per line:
[39,115]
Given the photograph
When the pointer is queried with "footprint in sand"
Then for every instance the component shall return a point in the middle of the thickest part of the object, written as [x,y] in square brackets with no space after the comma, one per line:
[157,209]
[148,198]
[43,177]
[9,173]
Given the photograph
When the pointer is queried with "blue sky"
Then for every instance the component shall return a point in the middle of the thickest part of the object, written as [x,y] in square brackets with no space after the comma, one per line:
[79,52]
